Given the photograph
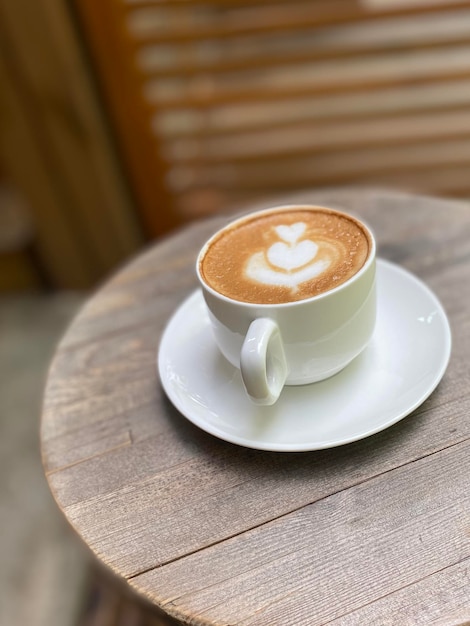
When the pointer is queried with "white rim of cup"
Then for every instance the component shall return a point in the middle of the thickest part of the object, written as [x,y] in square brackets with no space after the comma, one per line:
[278,209]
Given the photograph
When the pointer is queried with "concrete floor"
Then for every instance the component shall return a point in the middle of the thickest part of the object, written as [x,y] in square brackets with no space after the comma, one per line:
[43,566]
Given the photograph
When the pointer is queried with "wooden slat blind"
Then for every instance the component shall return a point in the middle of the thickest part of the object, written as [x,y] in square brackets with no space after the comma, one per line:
[216,100]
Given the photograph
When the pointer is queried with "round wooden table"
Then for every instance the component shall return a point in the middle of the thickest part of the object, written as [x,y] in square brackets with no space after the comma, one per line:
[374,532]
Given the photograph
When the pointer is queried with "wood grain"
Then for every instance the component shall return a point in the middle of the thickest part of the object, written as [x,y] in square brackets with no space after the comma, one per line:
[105,32]
[332,557]
[425,31]
[215,101]
[262,19]
[57,149]
[374,532]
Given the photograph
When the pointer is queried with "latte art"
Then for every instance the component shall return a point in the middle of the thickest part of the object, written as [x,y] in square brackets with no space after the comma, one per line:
[287,263]
[286,255]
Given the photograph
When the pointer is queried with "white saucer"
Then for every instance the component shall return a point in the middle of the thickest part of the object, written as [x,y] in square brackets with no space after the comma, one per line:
[402,365]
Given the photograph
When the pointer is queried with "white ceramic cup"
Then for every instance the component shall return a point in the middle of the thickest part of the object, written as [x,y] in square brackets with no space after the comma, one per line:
[293,343]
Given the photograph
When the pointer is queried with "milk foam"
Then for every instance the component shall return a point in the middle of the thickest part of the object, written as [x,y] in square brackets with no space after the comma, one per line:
[289,262]
[283,256]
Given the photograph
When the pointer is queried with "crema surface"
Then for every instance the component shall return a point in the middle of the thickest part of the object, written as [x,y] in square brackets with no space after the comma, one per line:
[285,256]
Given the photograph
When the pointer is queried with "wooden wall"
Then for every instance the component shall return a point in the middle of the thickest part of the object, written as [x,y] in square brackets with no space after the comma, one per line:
[232,99]
[120,119]
[56,147]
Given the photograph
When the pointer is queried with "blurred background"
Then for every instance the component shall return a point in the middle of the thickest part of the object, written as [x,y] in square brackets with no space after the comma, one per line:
[122,119]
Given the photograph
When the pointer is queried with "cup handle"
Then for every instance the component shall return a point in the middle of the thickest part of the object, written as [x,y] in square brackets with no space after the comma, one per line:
[263,362]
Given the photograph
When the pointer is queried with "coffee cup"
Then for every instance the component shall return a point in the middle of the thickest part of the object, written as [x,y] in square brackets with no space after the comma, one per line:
[290,293]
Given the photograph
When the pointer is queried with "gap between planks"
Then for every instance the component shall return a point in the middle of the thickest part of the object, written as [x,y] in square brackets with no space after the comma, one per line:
[131,439]
[391,593]
[124,444]
[131,577]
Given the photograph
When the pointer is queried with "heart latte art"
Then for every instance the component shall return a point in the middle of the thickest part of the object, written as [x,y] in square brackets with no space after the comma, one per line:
[287,263]
[283,256]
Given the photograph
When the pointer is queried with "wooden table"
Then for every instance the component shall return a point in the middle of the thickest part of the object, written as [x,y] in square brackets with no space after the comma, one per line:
[375,532]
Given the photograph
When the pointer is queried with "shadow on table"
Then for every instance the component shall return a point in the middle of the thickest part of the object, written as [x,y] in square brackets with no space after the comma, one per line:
[358,458]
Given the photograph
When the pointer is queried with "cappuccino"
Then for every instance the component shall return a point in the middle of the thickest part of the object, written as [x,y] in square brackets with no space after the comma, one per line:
[285,255]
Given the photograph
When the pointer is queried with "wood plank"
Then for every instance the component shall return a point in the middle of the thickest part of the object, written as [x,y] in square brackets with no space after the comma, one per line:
[439,180]
[21,149]
[420,5]
[378,4]
[444,180]
[63,447]
[113,195]
[321,138]
[160,534]
[408,48]
[108,46]
[333,167]
[64,118]
[373,106]
[260,20]
[345,552]
[70,140]
[327,77]
[84,497]
[389,35]
[217,533]
[133,397]
[405,605]
[118,479]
